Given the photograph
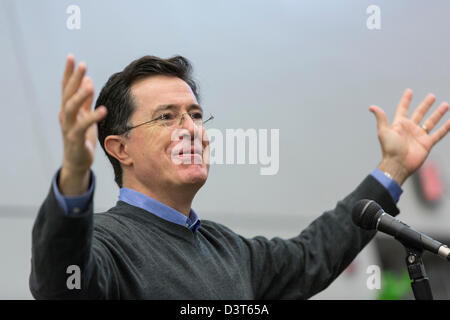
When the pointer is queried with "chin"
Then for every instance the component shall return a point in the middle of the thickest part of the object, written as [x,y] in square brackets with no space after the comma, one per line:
[194,174]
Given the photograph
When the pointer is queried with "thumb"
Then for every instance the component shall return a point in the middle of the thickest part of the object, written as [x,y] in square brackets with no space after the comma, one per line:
[380,116]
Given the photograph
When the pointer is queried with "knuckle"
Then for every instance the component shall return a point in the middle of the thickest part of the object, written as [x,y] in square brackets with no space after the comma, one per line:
[69,107]
[82,126]
[90,118]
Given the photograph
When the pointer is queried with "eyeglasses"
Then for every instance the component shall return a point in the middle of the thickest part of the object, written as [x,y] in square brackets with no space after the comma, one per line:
[171,119]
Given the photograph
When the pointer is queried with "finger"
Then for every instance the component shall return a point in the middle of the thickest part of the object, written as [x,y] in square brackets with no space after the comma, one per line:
[403,105]
[62,111]
[74,82]
[436,116]
[423,108]
[381,117]
[87,105]
[74,104]
[70,65]
[93,117]
[439,134]
[91,135]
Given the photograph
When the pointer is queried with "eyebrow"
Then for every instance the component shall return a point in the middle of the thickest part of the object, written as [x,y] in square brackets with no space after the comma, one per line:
[165,107]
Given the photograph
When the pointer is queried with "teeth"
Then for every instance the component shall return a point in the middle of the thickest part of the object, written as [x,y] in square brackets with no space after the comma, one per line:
[192,151]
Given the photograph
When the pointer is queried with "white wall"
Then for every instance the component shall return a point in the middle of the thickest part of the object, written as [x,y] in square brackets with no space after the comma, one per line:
[310,69]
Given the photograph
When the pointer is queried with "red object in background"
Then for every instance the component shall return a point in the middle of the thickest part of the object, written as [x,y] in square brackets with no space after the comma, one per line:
[430,182]
[352,268]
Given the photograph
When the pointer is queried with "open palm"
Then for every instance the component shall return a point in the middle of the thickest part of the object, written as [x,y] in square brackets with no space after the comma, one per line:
[405,144]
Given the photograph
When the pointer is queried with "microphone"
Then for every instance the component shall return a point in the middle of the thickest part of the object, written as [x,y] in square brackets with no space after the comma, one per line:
[367,214]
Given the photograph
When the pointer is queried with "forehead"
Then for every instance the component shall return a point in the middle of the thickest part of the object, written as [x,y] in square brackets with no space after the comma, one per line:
[153,91]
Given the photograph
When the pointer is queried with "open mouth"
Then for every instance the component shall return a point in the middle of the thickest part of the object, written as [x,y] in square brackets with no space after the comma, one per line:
[191,152]
[194,155]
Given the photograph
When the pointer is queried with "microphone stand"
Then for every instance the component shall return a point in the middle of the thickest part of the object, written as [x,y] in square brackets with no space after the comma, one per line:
[420,283]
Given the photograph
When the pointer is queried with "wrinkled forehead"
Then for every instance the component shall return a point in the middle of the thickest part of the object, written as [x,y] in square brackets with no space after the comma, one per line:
[151,92]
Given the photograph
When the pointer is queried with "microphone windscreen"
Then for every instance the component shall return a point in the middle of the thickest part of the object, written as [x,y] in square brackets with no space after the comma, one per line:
[365,214]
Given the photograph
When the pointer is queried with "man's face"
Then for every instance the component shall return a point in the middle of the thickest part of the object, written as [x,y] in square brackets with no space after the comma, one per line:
[154,148]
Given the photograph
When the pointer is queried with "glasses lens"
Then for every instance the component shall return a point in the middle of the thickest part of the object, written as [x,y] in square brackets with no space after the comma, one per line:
[196,118]
[168,123]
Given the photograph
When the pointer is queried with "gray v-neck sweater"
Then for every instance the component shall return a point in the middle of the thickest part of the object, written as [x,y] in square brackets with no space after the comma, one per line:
[129,253]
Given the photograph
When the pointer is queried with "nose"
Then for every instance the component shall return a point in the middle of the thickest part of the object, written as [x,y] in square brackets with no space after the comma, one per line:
[190,133]
[187,123]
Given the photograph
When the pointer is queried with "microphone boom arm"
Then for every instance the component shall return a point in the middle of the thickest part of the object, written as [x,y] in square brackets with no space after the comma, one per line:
[420,282]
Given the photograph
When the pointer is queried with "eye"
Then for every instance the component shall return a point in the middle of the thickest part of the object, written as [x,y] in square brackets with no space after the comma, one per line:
[166,116]
[196,115]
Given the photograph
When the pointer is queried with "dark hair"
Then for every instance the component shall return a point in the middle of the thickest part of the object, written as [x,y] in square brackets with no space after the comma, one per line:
[116,96]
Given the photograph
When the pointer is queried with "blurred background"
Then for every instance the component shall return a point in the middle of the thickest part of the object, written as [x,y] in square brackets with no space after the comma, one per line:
[308,68]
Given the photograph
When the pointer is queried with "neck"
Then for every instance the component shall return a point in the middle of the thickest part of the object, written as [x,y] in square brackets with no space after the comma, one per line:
[179,199]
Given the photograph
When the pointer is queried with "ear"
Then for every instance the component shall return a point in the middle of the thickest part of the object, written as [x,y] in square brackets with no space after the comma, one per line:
[116,147]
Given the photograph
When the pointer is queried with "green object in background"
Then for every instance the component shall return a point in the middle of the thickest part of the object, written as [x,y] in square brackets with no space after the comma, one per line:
[394,286]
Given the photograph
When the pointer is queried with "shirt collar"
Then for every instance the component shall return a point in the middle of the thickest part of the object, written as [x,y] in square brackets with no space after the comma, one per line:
[159,209]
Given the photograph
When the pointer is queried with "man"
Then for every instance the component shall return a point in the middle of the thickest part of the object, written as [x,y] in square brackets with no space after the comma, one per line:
[152,244]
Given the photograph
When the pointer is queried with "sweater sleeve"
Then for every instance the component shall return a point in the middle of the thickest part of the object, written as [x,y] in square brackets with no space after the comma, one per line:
[64,251]
[302,266]
[73,205]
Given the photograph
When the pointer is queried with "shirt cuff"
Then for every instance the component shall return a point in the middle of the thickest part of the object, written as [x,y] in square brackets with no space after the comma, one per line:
[73,205]
[391,185]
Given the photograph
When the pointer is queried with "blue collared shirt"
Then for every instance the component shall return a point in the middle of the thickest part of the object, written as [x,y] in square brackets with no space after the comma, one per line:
[391,185]
[73,205]
[78,205]
[159,209]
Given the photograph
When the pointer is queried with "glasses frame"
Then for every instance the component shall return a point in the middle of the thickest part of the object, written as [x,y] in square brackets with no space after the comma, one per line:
[160,118]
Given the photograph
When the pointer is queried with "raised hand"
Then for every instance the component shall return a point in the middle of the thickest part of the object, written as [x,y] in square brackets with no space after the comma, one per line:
[79,128]
[405,144]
